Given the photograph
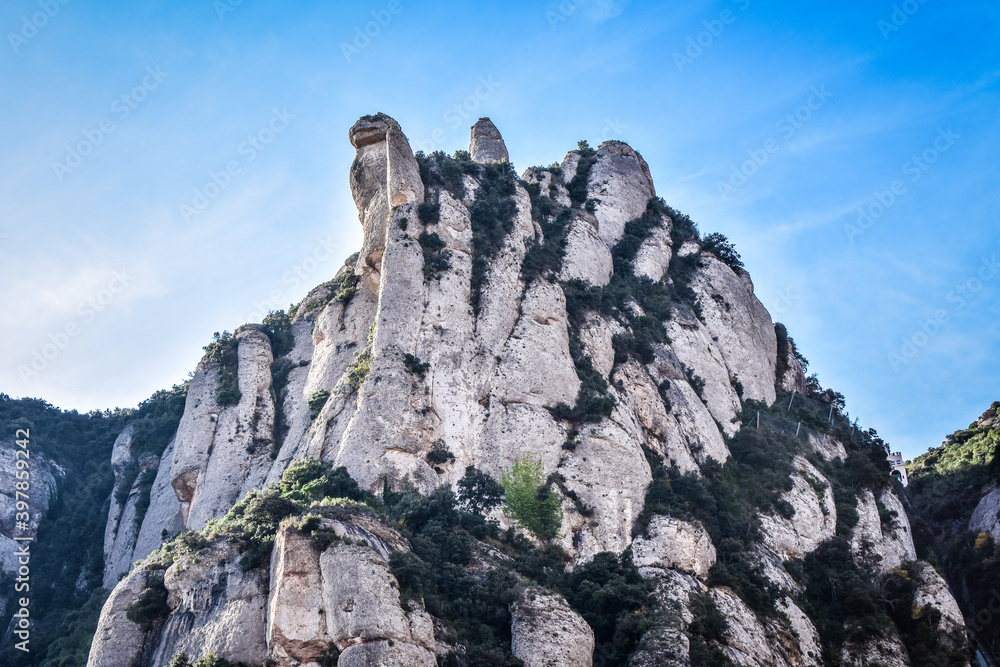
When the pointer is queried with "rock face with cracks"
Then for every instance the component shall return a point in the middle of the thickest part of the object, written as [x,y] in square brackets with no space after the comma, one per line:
[547,633]
[461,335]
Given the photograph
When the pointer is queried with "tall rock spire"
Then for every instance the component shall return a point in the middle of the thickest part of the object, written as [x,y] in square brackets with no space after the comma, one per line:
[486,144]
[384,175]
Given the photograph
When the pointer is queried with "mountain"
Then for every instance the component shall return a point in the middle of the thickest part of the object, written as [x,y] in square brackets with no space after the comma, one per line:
[954,498]
[536,420]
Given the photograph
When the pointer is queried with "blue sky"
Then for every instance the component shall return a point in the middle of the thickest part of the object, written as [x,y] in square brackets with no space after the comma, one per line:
[850,150]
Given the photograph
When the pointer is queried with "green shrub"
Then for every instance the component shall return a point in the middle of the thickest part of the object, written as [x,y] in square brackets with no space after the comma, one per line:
[278,328]
[530,500]
[317,401]
[308,480]
[223,350]
[151,605]
[682,228]
[412,363]
[721,247]
[253,523]
[346,288]
[610,594]
[441,170]
[614,600]
[841,600]
[429,212]
[577,186]
[728,501]
[73,634]
[155,420]
[920,626]
[635,233]
[359,367]
[145,481]
[439,455]
[706,632]
[479,492]
[947,482]
[123,488]
[593,402]
[545,256]
[437,259]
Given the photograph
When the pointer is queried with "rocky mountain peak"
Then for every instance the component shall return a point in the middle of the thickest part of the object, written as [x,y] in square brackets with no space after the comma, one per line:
[566,341]
[486,144]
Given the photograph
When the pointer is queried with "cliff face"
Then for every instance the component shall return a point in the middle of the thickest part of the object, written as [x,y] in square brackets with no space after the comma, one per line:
[953,496]
[569,315]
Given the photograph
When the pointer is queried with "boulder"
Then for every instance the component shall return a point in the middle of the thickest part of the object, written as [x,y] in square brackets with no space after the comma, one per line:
[545,632]
[486,144]
[670,542]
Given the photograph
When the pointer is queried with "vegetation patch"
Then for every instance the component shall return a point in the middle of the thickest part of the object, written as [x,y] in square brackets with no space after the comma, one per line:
[608,592]
[947,481]
[730,516]
[429,212]
[223,350]
[577,185]
[437,258]
[945,487]
[210,660]
[413,364]
[492,213]
[317,401]
[346,287]
[723,249]
[706,632]
[637,303]
[145,482]
[636,232]
[544,257]
[442,171]
[529,499]
[492,216]
[154,422]
[593,402]
[439,455]
[479,492]
[358,369]
[150,607]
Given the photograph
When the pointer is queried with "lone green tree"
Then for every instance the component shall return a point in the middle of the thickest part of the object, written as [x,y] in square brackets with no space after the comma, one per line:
[479,491]
[530,500]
